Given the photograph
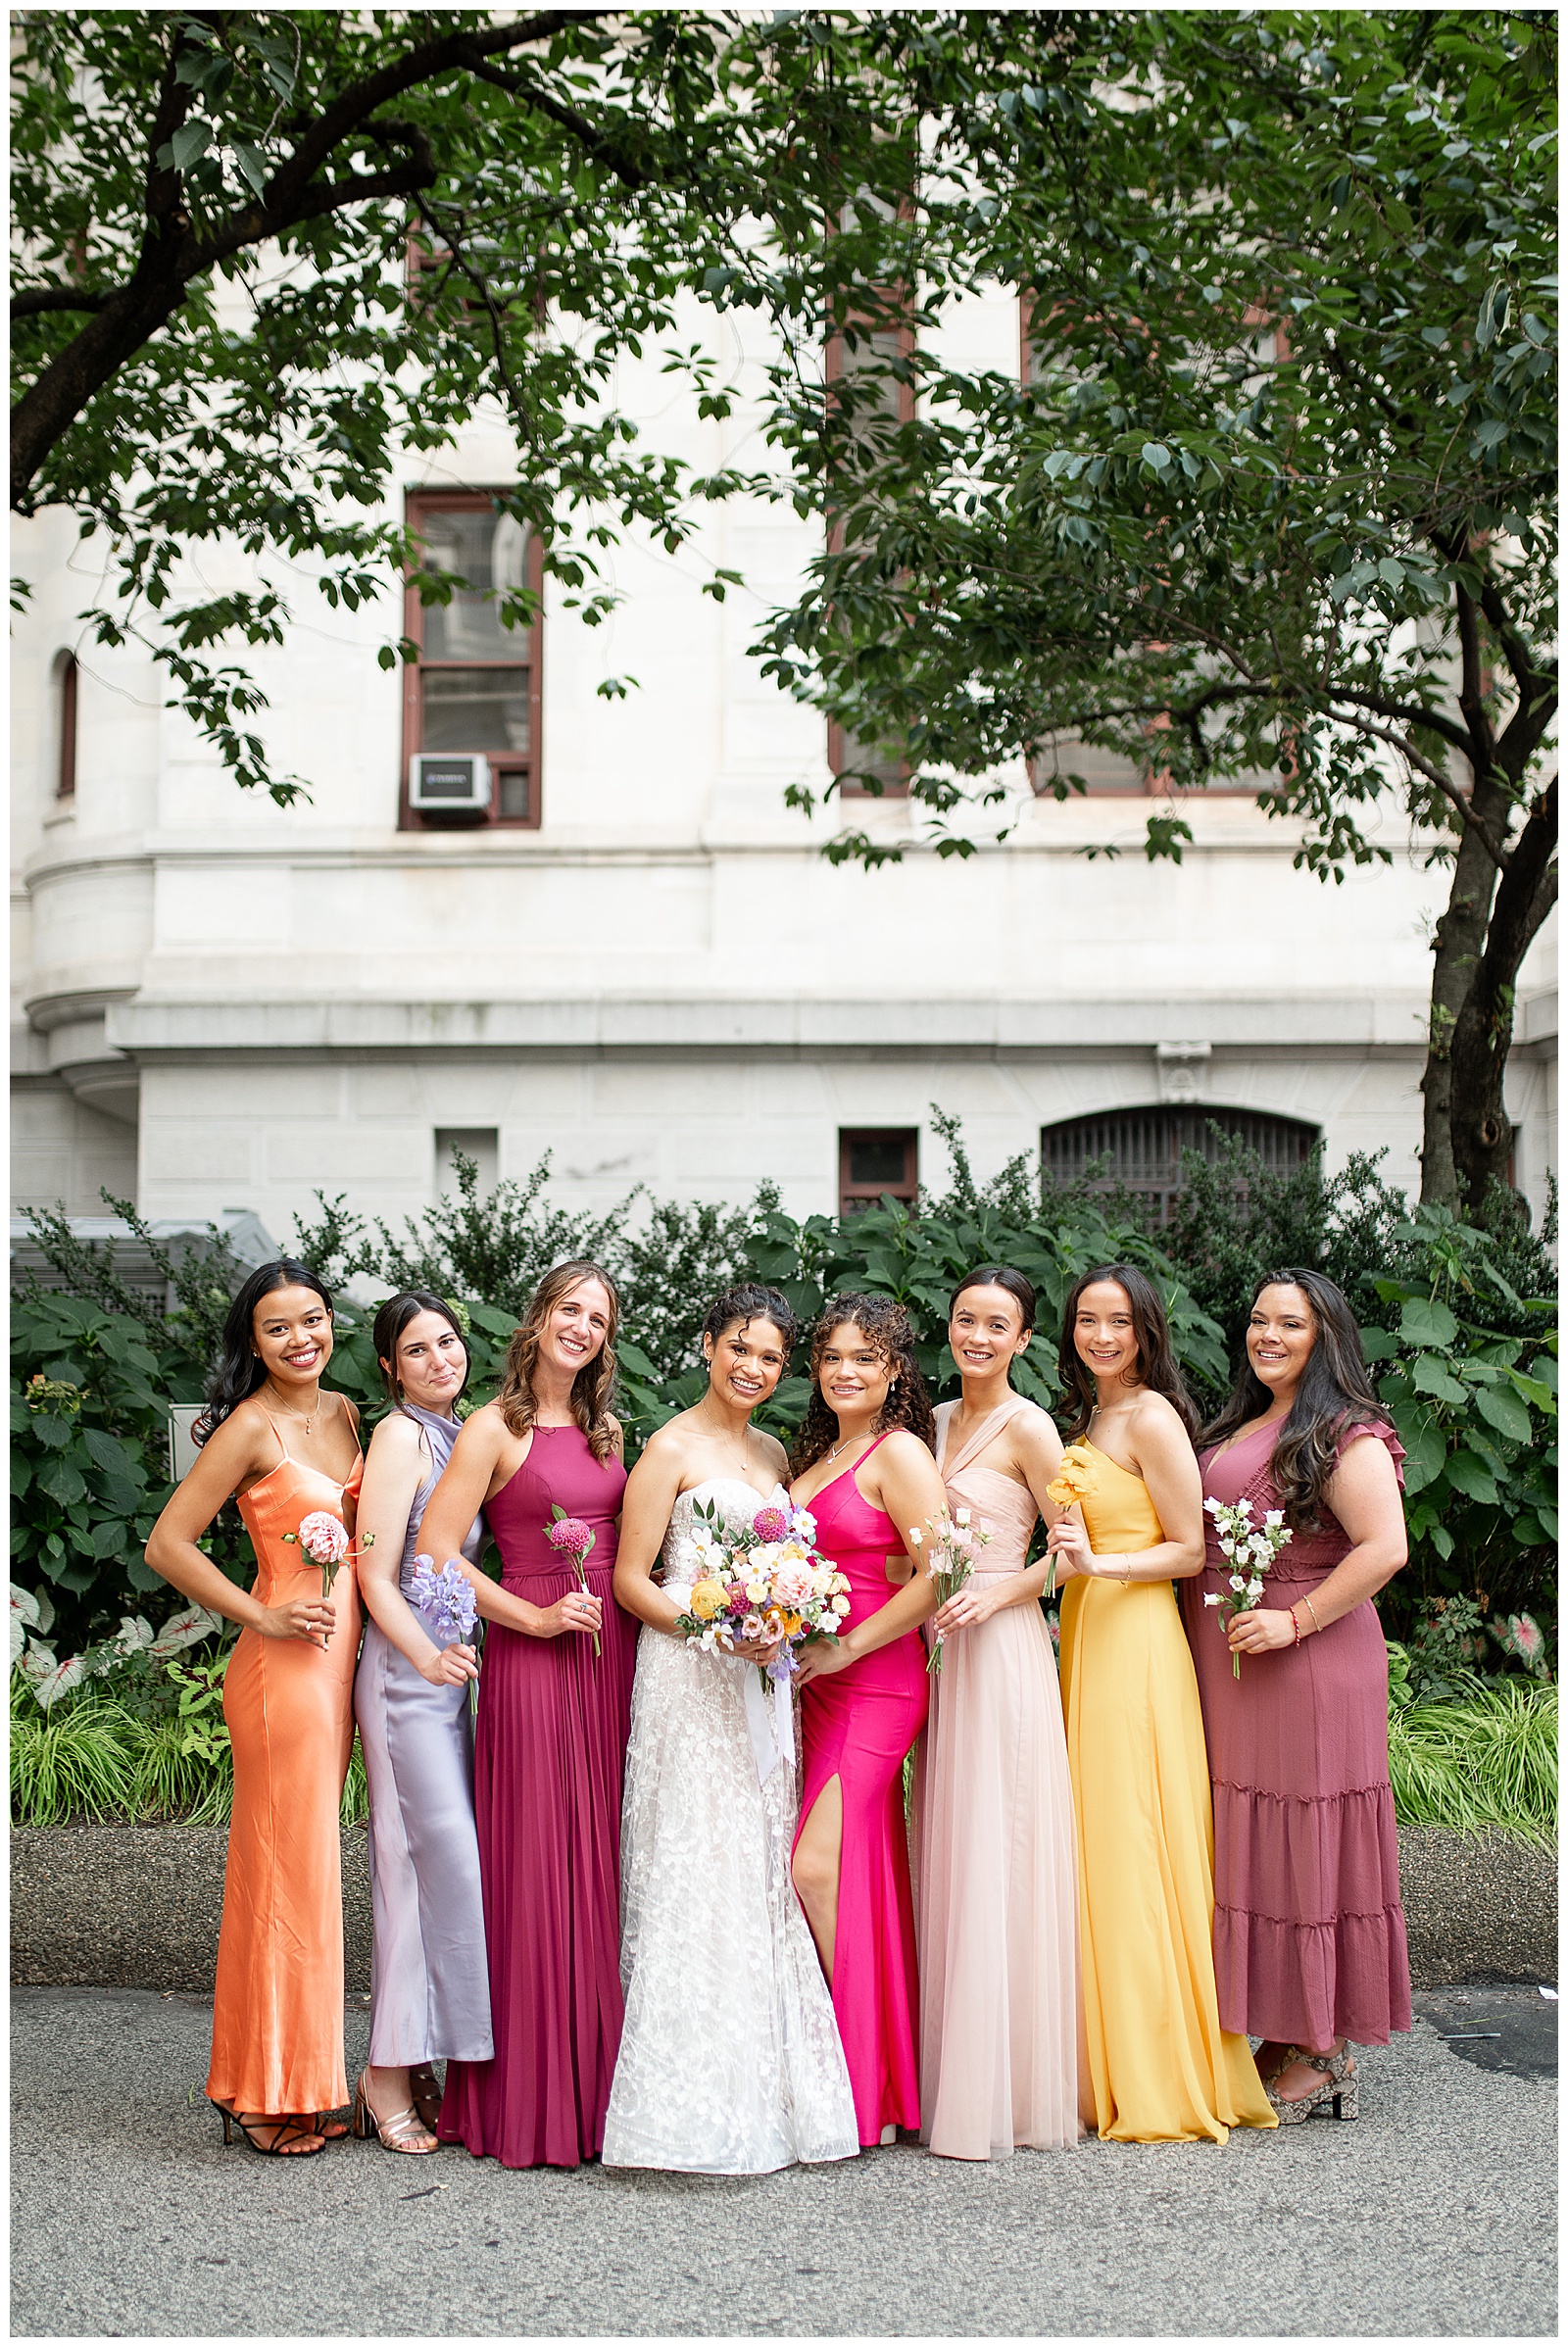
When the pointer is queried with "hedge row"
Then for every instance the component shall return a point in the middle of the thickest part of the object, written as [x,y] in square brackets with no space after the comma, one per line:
[1458,1320]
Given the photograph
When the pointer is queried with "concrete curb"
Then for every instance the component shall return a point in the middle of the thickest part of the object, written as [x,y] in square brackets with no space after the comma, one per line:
[137,1907]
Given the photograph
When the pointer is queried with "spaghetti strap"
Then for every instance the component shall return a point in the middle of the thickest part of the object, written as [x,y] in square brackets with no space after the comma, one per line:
[986,1431]
[272,1422]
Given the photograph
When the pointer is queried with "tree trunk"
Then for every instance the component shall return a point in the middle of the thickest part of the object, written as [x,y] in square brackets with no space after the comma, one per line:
[1456,947]
[1482,1138]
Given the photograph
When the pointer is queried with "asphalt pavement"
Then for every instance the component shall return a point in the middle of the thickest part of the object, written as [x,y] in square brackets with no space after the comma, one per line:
[1434,2216]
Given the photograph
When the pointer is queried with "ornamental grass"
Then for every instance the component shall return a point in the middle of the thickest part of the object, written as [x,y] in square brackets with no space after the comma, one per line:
[1490,1760]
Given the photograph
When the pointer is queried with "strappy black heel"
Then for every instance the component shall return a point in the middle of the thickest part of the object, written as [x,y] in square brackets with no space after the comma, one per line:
[289,2131]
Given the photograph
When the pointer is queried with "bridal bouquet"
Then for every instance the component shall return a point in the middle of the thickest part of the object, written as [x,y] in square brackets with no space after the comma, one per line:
[767,1580]
[949,1541]
[1249,1550]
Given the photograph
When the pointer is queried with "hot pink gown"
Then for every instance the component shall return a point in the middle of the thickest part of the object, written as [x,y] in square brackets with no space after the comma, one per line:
[859,1726]
[548,1757]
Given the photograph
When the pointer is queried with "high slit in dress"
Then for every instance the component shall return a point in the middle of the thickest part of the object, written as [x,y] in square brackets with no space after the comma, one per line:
[859,1725]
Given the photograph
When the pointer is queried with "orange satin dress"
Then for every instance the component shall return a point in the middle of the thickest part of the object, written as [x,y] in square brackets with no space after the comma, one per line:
[277,2005]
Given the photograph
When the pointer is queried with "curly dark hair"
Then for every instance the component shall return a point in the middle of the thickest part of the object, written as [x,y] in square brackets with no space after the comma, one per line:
[749,1301]
[1335,1391]
[1156,1363]
[887,1325]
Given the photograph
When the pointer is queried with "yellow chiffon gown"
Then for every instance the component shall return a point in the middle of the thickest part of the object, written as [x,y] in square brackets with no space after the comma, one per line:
[1162,2069]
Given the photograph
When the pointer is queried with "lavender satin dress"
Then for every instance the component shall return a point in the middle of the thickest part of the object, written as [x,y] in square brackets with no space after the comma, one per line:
[430,1983]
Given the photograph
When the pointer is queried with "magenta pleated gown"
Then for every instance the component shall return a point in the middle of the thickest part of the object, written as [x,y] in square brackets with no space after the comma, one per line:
[1309,1941]
[859,1726]
[548,1758]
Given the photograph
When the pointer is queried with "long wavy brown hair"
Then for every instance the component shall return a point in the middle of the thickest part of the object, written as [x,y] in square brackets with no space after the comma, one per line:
[1335,1391]
[887,1325]
[594,1382]
[1156,1363]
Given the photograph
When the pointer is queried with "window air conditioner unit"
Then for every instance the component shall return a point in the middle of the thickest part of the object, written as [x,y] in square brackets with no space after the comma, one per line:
[449,783]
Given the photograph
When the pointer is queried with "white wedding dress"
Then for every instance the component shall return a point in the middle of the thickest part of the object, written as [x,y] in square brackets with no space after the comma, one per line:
[731,2062]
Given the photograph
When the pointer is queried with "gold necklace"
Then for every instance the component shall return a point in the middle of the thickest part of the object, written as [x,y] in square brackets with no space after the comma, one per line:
[309,1423]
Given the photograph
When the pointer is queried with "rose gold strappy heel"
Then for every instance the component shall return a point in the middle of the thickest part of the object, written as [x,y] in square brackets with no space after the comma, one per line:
[400,2132]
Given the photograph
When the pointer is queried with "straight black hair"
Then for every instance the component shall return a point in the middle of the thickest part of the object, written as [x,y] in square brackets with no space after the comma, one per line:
[239,1373]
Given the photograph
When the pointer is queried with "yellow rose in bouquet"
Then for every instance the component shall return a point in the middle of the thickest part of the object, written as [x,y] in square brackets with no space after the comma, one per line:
[706,1600]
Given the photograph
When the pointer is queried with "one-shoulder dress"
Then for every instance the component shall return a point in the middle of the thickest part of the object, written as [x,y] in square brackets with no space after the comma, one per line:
[277,2001]
[1163,2070]
[750,2077]
[1309,1939]
[997,1883]
[548,1755]
[429,1988]
[859,1725]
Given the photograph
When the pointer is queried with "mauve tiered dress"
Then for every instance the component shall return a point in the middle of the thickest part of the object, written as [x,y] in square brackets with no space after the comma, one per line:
[429,1993]
[1309,1928]
[857,1724]
[549,1760]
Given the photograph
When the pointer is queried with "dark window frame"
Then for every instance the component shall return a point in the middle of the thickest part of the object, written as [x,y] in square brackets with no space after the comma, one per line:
[839,751]
[67,680]
[529,652]
[1152,782]
[855,1195]
[1162,1129]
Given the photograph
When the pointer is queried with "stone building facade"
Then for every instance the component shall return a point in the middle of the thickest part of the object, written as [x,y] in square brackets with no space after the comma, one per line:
[639,960]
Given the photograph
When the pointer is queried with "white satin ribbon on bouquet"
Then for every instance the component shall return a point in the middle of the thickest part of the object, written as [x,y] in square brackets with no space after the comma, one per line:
[770,1723]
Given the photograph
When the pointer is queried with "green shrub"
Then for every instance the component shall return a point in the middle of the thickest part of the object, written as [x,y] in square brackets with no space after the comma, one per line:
[1457,1321]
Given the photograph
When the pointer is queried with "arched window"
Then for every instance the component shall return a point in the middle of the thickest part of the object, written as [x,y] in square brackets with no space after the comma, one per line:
[1141,1149]
[65,725]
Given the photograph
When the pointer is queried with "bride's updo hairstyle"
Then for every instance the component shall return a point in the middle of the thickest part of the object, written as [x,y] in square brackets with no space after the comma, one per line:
[886,1326]
[748,1301]
[595,1381]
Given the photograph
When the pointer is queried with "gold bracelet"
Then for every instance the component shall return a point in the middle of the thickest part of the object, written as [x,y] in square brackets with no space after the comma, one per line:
[1312,1610]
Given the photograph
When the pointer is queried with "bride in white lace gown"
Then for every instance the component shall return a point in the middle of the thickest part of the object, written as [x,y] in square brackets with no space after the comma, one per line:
[731,2062]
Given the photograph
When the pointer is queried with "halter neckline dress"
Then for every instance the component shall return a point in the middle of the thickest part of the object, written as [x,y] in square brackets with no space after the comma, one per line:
[859,1725]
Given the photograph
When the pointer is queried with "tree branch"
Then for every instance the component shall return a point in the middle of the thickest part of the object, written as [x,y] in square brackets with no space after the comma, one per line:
[428,63]
[1439,781]
[604,150]
[35,298]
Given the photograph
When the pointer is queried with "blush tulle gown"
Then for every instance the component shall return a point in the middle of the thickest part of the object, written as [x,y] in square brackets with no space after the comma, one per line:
[998,1878]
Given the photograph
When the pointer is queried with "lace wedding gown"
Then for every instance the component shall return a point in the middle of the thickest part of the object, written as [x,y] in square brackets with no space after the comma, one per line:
[731,2062]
